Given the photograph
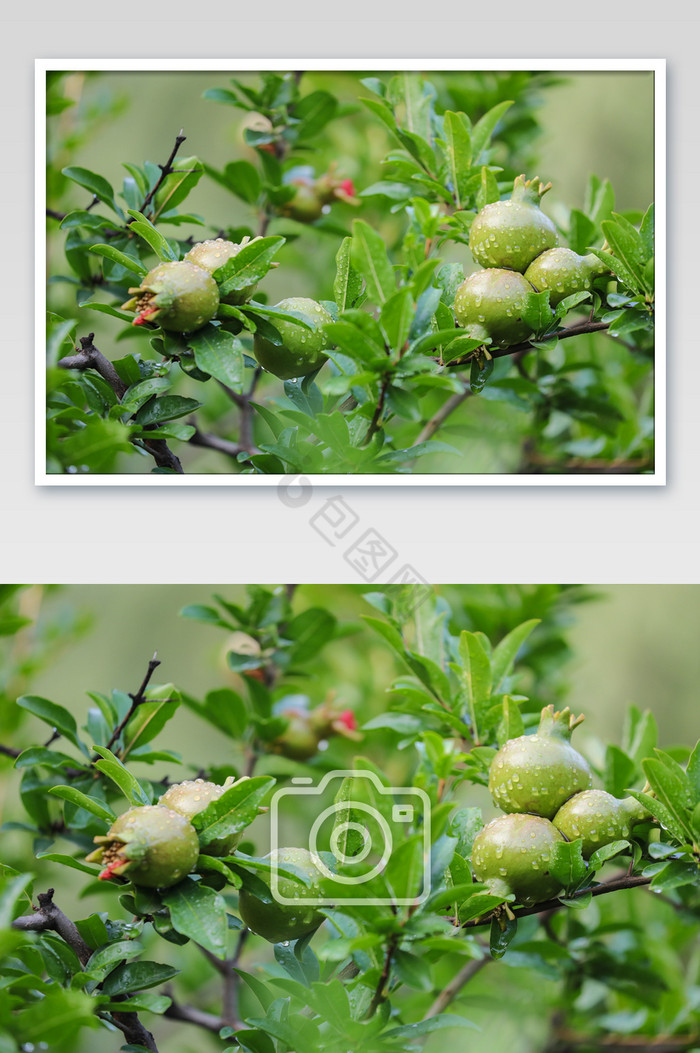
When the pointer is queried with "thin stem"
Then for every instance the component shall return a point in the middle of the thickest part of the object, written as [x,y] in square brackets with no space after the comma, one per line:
[624,881]
[189,1014]
[450,992]
[378,996]
[9,751]
[448,407]
[48,917]
[502,352]
[136,701]
[90,357]
[165,171]
[374,423]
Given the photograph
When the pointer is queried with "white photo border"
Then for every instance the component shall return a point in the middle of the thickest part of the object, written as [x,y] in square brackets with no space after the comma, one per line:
[655,66]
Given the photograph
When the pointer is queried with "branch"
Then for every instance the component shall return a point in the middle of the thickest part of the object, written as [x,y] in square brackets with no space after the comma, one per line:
[165,171]
[449,993]
[136,701]
[48,916]
[215,442]
[374,423]
[614,885]
[9,751]
[453,402]
[191,1015]
[91,358]
[378,996]
[527,345]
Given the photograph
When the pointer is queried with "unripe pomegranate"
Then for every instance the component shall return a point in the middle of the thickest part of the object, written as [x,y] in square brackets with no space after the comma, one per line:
[299,741]
[191,797]
[278,922]
[178,296]
[152,846]
[302,349]
[213,254]
[513,854]
[489,304]
[537,773]
[512,233]
[598,818]
[563,272]
[306,205]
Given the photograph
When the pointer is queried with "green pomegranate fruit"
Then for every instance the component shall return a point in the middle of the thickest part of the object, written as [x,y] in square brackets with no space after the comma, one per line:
[301,351]
[152,846]
[512,854]
[489,305]
[512,233]
[191,797]
[306,206]
[598,818]
[299,741]
[278,922]
[563,272]
[213,254]
[178,296]
[538,773]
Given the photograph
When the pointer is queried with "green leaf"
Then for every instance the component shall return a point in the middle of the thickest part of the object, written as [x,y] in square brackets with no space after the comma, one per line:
[135,266]
[96,184]
[395,319]
[233,811]
[369,257]
[115,770]
[200,913]
[459,153]
[484,128]
[503,929]
[150,718]
[219,354]
[477,679]
[54,715]
[348,283]
[506,652]
[434,1023]
[567,865]
[168,407]
[311,630]
[82,800]
[137,976]
[145,230]
[537,313]
[249,265]
[511,725]
[105,957]
[186,173]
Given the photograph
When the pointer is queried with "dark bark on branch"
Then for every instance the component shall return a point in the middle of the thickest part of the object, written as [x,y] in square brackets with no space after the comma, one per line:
[614,885]
[215,442]
[165,170]
[136,701]
[191,1015]
[48,917]
[527,345]
[90,357]
[450,992]
[9,751]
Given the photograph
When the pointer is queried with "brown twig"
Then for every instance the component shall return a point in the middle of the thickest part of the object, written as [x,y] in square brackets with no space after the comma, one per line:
[191,1015]
[9,751]
[89,357]
[48,917]
[215,442]
[450,992]
[617,884]
[136,701]
[374,423]
[378,996]
[501,352]
[448,407]
[165,171]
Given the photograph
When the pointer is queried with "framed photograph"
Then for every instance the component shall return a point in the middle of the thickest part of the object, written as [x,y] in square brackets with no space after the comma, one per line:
[424,271]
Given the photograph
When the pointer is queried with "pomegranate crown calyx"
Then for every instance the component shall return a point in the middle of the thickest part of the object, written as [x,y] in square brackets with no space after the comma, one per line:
[529,191]
[559,723]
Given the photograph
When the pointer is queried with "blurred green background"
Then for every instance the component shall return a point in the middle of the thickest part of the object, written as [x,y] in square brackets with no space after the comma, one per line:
[627,644]
[565,127]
